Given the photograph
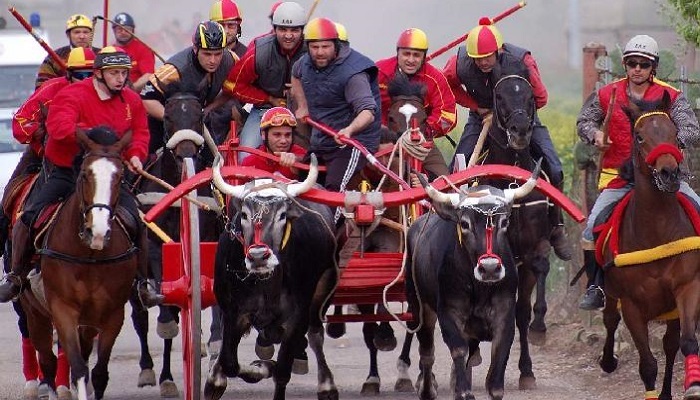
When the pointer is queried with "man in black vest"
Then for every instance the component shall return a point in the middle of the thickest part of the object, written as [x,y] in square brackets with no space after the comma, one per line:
[473,67]
[203,67]
[337,86]
[262,76]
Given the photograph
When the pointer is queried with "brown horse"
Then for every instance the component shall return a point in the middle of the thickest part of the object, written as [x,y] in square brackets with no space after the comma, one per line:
[646,287]
[87,281]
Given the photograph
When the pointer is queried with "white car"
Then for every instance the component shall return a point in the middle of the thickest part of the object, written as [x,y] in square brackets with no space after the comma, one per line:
[10,149]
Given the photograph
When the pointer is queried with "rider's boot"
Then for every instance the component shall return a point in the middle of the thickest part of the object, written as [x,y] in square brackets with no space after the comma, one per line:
[558,237]
[22,252]
[147,294]
[594,298]
[4,230]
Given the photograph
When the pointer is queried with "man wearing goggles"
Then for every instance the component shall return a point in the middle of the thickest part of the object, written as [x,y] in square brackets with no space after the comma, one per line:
[640,59]
[276,127]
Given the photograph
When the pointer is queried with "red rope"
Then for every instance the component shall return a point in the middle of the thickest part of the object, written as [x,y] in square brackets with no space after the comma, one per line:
[660,150]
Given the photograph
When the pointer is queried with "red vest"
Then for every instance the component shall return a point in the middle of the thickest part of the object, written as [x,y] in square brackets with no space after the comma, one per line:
[620,129]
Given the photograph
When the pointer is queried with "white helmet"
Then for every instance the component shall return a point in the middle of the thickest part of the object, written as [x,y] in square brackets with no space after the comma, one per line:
[289,13]
[643,46]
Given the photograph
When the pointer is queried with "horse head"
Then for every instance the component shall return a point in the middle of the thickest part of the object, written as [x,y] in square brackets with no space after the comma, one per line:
[98,183]
[266,210]
[481,214]
[183,121]
[656,153]
[407,109]
[514,110]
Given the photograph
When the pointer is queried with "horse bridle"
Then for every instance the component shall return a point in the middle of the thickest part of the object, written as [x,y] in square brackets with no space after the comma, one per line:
[661,149]
[529,114]
[183,96]
[109,208]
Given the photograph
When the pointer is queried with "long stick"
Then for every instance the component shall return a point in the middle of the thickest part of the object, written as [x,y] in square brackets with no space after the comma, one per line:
[462,38]
[59,61]
[605,127]
[132,34]
[311,11]
[104,28]
[354,143]
[486,125]
[168,186]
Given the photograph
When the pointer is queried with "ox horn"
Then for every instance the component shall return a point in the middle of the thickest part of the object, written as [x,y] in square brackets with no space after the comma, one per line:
[526,188]
[296,189]
[436,195]
[231,190]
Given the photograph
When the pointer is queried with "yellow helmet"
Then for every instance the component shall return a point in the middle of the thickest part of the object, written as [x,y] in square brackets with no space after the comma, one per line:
[81,58]
[412,38]
[320,29]
[484,39]
[78,21]
[224,10]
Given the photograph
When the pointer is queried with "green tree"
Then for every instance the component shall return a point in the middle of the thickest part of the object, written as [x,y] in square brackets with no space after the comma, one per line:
[685,16]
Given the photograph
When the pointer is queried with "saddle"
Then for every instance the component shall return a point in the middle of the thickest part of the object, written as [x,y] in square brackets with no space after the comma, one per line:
[607,226]
[16,194]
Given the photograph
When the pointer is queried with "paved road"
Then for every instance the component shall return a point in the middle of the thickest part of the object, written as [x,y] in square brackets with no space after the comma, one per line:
[347,357]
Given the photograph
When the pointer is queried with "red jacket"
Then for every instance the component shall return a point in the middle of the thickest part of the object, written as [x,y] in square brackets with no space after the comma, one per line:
[268,165]
[143,60]
[465,100]
[80,105]
[439,102]
[620,130]
[29,117]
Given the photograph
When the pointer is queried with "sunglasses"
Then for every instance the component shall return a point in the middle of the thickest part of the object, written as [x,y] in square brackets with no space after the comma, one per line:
[634,64]
[279,120]
[80,75]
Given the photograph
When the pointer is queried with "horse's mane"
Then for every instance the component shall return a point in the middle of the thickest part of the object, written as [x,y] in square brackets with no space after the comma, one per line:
[401,86]
[182,87]
[103,135]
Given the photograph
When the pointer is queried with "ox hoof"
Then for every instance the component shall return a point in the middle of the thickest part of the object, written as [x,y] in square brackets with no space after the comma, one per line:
[371,386]
[384,339]
[31,390]
[168,390]
[264,352]
[404,385]
[167,330]
[609,366]
[527,383]
[335,330]
[63,393]
[693,393]
[213,391]
[328,395]
[300,366]
[537,338]
[146,378]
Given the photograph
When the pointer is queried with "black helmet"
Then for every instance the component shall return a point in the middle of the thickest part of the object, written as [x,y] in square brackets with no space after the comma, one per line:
[124,19]
[209,35]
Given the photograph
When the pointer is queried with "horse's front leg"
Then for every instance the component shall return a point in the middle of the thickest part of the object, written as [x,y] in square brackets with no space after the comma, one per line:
[372,383]
[41,334]
[611,320]
[139,319]
[105,343]
[688,308]
[671,342]
[538,328]
[637,325]
[66,322]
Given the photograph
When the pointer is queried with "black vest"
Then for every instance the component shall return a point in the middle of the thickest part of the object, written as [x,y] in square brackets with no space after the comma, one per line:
[274,69]
[479,85]
[191,74]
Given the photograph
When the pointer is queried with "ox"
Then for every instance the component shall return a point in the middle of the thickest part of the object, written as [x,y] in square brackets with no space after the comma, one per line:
[461,272]
[275,270]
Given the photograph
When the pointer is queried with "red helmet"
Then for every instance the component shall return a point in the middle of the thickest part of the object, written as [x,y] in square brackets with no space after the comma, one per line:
[483,40]
[320,29]
[413,38]
[277,116]
[224,10]
[80,58]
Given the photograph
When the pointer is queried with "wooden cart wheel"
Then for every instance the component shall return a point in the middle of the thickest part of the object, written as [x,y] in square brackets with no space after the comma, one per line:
[192,313]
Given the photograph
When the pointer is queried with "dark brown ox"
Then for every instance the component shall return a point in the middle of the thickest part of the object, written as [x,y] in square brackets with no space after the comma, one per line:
[461,273]
[275,270]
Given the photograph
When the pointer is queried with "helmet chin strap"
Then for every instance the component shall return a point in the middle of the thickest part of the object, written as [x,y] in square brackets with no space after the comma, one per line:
[113,92]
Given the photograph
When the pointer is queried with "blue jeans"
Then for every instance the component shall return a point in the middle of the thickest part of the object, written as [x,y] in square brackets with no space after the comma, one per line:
[250,134]
[611,196]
